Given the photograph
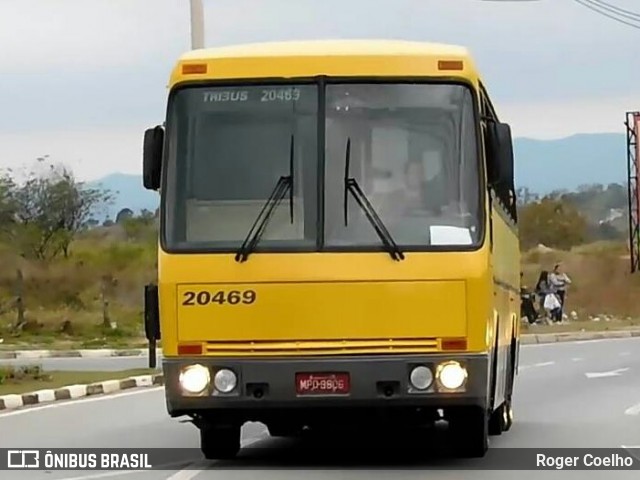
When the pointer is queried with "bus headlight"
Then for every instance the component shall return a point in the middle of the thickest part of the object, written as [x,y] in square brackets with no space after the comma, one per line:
[451,375]
[225,380]
[421,377]
[194,378]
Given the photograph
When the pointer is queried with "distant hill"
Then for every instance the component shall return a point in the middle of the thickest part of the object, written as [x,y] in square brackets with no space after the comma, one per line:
[541,166]
[128,192]
[567,163]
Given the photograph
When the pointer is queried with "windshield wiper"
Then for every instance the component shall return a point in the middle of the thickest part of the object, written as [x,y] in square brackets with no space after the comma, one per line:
[352,186]
[284,185]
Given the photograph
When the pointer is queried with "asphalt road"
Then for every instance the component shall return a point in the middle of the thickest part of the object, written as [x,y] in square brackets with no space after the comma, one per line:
[107,364]
[568,395]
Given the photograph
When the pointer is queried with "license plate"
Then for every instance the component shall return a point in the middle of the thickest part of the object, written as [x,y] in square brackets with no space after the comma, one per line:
[322,383]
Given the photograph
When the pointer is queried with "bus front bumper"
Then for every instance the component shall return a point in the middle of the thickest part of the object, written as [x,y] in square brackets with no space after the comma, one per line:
[374,381]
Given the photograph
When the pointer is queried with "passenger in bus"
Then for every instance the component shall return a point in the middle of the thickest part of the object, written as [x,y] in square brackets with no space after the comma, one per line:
[422,198]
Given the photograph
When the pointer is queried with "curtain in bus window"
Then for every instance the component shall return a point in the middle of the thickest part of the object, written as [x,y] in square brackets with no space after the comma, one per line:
[236,164]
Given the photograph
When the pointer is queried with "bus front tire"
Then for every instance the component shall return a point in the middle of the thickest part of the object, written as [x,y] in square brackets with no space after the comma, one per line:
[509,418]
[499,421]
[219,443]
[471,430]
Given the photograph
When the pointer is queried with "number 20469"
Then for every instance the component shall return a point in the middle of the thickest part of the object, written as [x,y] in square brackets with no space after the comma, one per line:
[221,297]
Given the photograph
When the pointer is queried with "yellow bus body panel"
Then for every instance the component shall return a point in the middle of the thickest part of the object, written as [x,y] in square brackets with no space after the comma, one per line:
[327,303]
[330,310]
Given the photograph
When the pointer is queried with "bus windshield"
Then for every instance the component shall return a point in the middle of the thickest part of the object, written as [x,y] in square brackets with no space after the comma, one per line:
[413,153]
[227,149]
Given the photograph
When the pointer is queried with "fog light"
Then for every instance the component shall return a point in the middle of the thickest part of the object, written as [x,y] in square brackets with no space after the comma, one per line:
[421,377]
[194,378]
[225,380]
[451,375]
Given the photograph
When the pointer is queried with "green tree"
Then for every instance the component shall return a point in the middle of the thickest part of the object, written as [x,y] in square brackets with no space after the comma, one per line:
[123,215]
[48,209]
[551,222]
[7,201]
[605,231]
[146,215]
[141,227]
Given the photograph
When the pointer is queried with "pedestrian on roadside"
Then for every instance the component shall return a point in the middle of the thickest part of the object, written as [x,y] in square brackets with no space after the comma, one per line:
[542,287]
[527,306]
[549,300]
[559,280]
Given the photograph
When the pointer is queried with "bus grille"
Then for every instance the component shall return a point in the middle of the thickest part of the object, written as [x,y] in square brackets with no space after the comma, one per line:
[321,347]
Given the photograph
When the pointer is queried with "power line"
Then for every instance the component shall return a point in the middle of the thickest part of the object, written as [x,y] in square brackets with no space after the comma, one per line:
[602,7]
[605,14]
[610,8]
[622,11]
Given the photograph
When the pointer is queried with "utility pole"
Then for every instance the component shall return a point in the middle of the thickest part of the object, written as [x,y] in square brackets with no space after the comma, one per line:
[197,24]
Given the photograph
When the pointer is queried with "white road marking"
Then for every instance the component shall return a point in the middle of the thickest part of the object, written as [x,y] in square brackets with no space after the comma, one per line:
[632,447]
[612,373]
[625,354]
[580,342]
[191,472]
[187,473]
[577,359]
[635,410]
[544,364]
[105,475]
[61,404]
[119,473]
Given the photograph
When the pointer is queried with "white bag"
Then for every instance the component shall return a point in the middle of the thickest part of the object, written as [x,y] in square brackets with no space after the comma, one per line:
[551,302]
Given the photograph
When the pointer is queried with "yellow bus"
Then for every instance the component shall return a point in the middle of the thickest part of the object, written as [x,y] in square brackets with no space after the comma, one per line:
[338,236]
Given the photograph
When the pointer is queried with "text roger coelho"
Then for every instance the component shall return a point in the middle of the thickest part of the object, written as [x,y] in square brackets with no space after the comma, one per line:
[586,460]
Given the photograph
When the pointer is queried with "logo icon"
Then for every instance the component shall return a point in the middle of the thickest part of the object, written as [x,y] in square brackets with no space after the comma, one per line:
[23,459]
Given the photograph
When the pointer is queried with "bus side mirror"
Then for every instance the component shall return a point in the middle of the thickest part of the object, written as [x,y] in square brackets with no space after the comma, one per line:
[152,157]
[500,155]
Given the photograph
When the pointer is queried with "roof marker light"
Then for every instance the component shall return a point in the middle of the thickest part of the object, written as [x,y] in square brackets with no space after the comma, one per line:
[194,68]
[450,65]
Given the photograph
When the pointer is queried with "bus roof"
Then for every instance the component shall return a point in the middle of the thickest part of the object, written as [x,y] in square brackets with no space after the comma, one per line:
[311,48]
[310,58]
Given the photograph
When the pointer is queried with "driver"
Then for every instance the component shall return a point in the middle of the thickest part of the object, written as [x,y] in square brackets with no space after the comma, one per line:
[423,191]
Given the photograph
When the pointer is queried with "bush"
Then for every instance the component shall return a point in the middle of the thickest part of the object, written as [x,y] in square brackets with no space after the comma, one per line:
[553,223]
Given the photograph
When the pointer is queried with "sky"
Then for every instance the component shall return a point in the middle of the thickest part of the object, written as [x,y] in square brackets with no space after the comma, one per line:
[80,80]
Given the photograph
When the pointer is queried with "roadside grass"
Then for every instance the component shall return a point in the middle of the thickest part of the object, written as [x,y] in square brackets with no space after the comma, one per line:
[80,329]
[25,379]
[601,280]
[93,299]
